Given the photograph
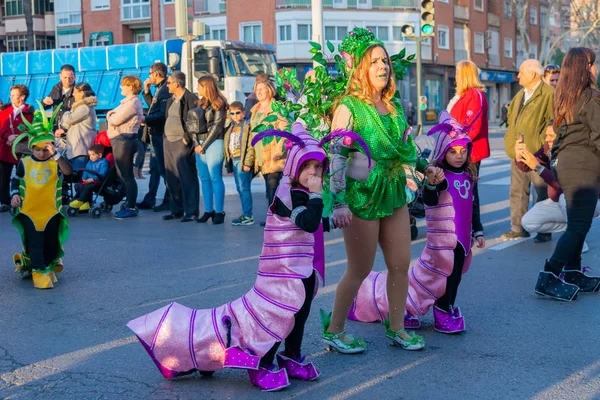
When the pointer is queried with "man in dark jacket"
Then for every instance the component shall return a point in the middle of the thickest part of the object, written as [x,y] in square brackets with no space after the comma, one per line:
[62,92]
[180,159]
[154,131]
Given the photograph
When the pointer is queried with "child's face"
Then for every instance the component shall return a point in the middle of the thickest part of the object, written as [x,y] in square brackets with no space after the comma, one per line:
[310,168]
[237,115]
[94,156]
[41,152]
[456,156]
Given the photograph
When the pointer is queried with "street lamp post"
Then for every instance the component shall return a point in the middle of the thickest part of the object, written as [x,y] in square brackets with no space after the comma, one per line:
[317,24]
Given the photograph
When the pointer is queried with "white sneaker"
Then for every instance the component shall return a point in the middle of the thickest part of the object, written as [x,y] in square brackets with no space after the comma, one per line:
[585,248]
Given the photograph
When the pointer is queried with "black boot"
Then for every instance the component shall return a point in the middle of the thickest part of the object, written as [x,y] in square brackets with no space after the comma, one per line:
[206,217]
[219,218]
[584,282]
[548,284]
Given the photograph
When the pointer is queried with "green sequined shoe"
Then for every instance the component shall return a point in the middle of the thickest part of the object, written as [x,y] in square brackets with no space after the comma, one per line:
[415,342]
[334,341]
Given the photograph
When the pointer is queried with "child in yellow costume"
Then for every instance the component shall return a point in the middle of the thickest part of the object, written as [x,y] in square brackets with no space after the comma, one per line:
[37,196]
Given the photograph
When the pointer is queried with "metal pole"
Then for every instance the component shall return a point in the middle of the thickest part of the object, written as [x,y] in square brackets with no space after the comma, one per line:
[317,24]
[419,82]
[162,19]
[190,63]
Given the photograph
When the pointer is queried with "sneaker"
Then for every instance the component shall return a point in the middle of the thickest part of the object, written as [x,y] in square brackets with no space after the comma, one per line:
[550,285]
[84,206]
[243,220]
[542,238]
[126,213]
[512,235]
[75,204]
[4,208]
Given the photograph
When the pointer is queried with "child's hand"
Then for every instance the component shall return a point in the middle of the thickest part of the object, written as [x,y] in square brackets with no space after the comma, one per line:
[15,201]
[434,175]
[51,149]
[480,242]
[315,184]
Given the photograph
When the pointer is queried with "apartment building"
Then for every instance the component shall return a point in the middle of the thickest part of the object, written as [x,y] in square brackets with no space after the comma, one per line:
[13,30]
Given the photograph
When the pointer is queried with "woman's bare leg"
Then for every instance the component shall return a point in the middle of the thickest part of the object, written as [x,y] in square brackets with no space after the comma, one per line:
[394,240]
[360,240]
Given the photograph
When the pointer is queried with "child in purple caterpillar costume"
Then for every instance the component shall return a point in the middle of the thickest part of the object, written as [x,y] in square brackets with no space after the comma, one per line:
[452,223]
[247,332]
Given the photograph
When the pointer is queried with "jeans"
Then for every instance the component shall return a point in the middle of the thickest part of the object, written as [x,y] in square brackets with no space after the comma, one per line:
[140,156]
[581,189]
[182,178]
[124,148]
[243,180]
[157,171]
[210,168]
[519,193]
[78,162]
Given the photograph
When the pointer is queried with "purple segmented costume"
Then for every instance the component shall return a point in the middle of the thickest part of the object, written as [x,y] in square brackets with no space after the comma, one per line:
[448,224]
[181,340]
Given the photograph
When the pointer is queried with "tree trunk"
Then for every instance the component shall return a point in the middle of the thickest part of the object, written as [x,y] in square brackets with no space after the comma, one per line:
[28,11]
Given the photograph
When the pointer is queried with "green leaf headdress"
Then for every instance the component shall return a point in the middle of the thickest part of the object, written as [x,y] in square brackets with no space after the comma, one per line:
[354,46]
[39,130]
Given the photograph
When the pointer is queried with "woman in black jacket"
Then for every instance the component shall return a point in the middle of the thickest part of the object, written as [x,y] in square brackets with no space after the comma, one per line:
[207,124]
[576,159]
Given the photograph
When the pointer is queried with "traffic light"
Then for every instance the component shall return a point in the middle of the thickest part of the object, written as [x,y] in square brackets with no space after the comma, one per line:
[408,30]
[423,103]
[427,18]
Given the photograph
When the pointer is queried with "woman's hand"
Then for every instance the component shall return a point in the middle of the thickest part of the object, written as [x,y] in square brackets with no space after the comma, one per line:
[342,217]
[480,242]
[434,175]
[246,168]
[529,159]
[15,201]
[58,133]
[198,149]
[10,139]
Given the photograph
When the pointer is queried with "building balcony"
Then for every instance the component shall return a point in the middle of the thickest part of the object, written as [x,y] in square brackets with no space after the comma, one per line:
[461,13]
[460,55]
[135,11]
[351,4]
[494,60]
[69,18]
[493,20]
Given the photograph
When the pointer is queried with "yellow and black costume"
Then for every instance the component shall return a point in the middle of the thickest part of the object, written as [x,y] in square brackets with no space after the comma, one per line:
[39,219]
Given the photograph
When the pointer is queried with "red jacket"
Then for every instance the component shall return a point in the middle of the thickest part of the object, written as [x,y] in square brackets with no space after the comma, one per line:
[464,111]
[6,130]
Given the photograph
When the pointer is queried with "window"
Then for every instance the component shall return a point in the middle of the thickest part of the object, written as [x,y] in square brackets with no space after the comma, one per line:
[304,32]
[70,41]
[41,6]
[141,35]
[169,1]
[219,34]
[13,7]
[285,33]
[100,5]
[16,43]
[543,17]
[44,42]
[381,32]
[397,34]
[479,5]
[479,43]
[508,48]
[68,18]
[135,9]
[507,8]
[102,40]
[443,37]
[335,32]
[251,33]
[533,51]
[533,16]
[170,33]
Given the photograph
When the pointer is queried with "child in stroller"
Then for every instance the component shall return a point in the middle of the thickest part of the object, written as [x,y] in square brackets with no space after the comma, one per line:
[105,185]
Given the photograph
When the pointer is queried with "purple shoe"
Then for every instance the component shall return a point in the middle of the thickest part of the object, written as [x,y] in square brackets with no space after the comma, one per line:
[298,369]
[446,322]
[411,322]
[269,379]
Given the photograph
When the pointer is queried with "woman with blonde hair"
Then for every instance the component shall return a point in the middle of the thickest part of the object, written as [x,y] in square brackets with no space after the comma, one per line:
[208,145]
[270,154]
[470,108]
[123,125]
[370,197]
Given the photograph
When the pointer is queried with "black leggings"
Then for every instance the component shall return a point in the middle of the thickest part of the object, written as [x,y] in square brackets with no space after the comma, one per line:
[453,280]
[124,148]
[40,246]
[5,171]
[271,182]
[581,189]
[293,342]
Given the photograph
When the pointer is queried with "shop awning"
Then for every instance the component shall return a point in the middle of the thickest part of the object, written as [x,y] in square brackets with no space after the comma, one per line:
[68,31]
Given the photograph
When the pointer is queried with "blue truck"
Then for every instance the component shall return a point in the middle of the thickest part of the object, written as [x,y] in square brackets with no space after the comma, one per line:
[234,64]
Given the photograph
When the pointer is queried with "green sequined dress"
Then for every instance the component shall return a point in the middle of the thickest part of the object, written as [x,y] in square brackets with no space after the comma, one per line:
[384,189]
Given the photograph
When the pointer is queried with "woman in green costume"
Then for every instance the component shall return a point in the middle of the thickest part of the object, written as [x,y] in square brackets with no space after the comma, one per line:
[371,202]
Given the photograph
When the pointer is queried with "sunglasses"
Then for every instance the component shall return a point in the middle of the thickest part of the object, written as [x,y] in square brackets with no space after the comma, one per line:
[552,68]
[235,113]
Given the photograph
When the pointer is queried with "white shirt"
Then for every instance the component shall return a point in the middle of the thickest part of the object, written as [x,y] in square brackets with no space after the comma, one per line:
[529,94]
[17,111]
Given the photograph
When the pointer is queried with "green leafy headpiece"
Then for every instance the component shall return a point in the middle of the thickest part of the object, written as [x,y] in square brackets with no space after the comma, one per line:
[356,43]
[39,130]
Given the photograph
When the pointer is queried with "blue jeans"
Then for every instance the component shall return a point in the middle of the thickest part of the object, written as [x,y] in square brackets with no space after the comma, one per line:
[242,184]
[210,169]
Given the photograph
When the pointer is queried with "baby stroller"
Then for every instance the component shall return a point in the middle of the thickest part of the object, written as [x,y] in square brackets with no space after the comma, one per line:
[416,208]
[111,189]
